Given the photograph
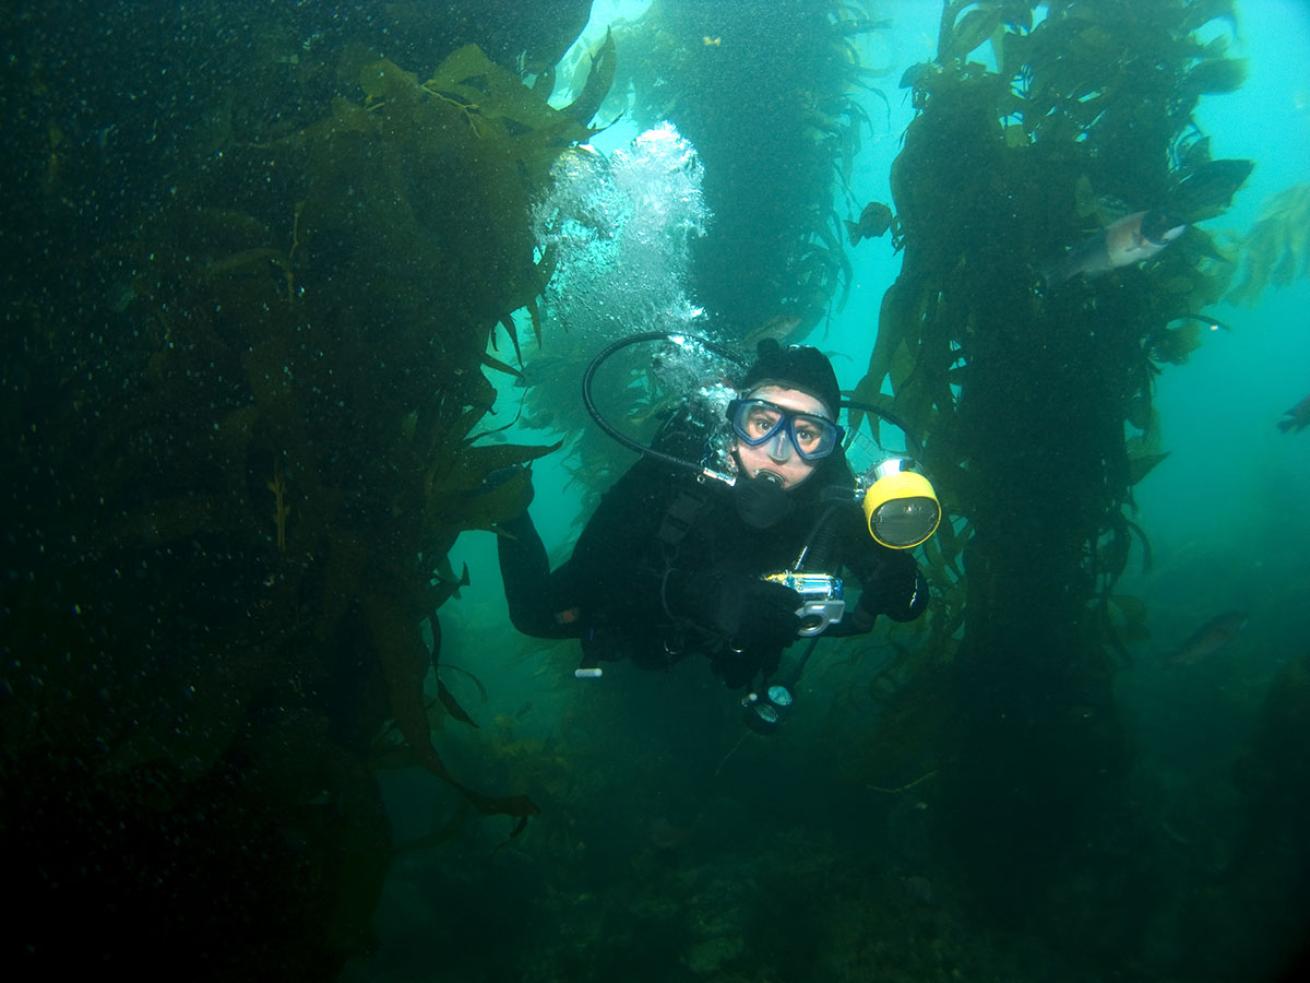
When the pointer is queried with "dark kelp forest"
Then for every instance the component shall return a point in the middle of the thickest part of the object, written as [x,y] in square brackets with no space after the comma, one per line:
[261,264]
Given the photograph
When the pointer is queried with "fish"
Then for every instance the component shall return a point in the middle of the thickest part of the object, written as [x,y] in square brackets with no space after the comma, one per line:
[1209,638]
[1297,418]
[1132,239]
[873,223]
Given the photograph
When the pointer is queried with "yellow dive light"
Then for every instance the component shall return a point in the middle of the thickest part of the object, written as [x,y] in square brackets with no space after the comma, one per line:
[901,507]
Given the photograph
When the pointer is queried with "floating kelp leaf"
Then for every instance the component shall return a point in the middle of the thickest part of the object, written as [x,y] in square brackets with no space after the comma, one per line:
[598,83]
[1142,538]
[482,690]
[1198,13]
[1208,190]
[455,492]
[400,651]
[1194,154]
[525,295]
[448,587]
[507,322]
[440,834]
[403,657]
[920,76]
[1175,344]
[1112,549]
[479,84]
[495,363]
[879,401]
[1140,467]
[1018,15]
[475,463]
[384,80]
[973,29]
[1139,409]
[1277,250]
[535,313]
[1216,75]
[892,324]
[452,706]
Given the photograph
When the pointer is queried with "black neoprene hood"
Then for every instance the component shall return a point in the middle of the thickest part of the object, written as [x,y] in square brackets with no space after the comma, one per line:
[795,367]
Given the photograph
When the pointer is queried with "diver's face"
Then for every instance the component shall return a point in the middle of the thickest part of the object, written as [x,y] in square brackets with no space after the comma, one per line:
[778,457]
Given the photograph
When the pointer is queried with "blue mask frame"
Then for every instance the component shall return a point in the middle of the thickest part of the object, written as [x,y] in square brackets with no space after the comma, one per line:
[830,435]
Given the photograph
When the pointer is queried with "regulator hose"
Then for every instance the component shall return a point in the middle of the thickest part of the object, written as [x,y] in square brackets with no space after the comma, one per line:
[723,352]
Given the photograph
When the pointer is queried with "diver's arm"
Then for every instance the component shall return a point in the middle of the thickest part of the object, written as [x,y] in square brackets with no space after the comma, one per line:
[891,584]
[899,587]
[614,559]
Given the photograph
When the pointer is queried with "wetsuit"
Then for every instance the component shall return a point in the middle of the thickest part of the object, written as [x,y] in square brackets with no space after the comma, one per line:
[642,578]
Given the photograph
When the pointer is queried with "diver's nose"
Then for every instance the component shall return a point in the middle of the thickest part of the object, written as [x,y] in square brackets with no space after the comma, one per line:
[780,447]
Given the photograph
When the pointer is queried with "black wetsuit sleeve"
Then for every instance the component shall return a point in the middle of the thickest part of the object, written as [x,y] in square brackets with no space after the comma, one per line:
[890,584]
[617,561]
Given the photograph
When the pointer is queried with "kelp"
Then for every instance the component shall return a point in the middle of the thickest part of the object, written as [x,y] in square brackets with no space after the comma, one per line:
[1033,403]
[790,82]
[289,434]
[775,251]
[1049,74]
[1277,249]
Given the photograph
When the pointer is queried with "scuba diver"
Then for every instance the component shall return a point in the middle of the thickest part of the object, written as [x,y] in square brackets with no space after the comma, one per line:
[679,559]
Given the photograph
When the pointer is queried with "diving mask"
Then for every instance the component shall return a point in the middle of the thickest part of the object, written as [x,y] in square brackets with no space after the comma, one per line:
[757,422]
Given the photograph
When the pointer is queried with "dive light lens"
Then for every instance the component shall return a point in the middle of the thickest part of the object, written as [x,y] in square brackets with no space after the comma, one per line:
[765,713]
[905,522]
[780,697]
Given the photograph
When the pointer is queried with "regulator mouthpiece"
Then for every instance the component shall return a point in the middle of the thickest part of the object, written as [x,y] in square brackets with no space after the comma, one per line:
[761,501]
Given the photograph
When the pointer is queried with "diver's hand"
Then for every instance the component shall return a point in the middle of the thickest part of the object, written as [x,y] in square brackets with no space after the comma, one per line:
[896,588]
[751,613]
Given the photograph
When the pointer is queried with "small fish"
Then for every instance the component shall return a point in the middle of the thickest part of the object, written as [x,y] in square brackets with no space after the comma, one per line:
[1297,418]
[1209,638]
[711,42]
[874,222]
[1132,239]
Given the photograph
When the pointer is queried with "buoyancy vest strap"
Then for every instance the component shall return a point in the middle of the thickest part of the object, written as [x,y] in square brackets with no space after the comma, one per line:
[680,516]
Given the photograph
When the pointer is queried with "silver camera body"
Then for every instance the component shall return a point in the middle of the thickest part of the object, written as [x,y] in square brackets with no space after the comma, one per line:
[823,599]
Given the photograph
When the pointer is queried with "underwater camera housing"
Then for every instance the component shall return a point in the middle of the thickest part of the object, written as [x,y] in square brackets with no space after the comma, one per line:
[823,599]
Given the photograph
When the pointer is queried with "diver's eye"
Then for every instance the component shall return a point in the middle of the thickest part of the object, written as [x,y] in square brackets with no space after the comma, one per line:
[761,422]
[807,437]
